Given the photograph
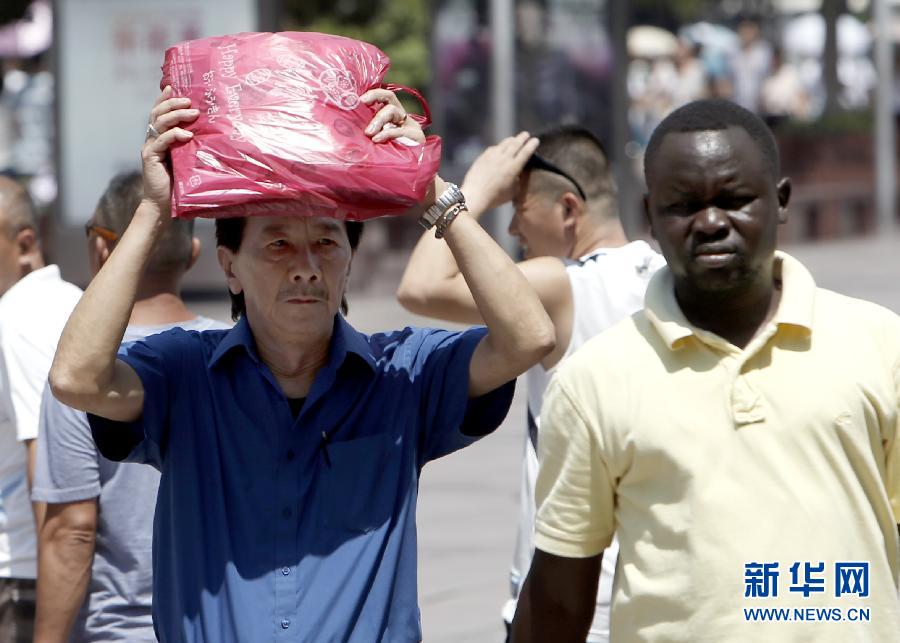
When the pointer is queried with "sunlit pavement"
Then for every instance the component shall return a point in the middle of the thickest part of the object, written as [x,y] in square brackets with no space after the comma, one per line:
[467,502]
[865,268]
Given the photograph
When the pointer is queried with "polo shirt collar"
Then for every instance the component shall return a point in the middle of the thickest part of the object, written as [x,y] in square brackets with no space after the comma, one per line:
[344,340]
[795,308]
[798,292]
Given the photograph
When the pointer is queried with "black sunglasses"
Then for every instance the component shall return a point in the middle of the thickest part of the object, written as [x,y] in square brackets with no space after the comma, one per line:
[538,162]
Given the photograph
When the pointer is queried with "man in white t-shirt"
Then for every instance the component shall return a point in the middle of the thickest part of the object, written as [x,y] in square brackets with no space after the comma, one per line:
[577,258]
[96,576]
[34,306]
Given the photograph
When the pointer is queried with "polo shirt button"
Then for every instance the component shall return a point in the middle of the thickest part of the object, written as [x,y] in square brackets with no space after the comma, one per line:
[290,455]
[285,623]
[286,513]
[285,570]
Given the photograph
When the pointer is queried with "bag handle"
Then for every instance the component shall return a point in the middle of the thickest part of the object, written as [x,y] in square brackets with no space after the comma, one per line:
[423,120]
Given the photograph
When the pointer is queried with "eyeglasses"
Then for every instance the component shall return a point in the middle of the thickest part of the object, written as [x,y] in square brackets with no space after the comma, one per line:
[100,231]
[538,162]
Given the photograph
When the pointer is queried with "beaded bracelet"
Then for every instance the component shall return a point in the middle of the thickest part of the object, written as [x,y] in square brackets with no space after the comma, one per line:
[448,217]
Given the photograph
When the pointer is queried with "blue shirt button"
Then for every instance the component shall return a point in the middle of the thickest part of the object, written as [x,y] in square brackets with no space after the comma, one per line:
[285,623]
[290,455]
[286,513]
[285,570]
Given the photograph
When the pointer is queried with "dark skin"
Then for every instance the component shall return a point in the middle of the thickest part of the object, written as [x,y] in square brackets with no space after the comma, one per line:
[557,599]
[714,207]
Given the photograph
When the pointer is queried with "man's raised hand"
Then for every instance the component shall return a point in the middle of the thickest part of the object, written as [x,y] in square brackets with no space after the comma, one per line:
[391,121]
[166,118]
[492,178]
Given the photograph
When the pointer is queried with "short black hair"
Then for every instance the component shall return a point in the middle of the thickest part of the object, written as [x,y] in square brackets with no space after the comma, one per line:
[713,114]
[230,232]
[116,208]
[579,152]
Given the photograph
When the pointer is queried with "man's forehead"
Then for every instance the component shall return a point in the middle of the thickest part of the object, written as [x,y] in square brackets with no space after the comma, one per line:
[705,143]
[269,225]
[690,154]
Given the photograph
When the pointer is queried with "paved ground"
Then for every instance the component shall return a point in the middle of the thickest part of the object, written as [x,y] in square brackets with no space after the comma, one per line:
[865,268]
[467,504]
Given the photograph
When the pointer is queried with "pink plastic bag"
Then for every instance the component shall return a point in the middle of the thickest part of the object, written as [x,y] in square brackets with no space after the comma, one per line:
[281,130]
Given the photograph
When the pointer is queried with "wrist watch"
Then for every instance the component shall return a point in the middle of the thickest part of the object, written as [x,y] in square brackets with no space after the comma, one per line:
[450,197]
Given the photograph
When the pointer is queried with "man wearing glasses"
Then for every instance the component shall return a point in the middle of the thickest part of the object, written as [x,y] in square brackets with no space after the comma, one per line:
[34,305]
[577,258]
[96,576]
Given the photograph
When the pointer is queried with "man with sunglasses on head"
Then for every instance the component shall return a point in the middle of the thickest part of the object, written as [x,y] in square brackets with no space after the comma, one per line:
[95,578]
[576,256]
[34,305]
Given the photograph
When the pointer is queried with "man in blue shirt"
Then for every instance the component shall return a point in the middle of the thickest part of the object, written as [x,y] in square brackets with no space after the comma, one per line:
[290,447]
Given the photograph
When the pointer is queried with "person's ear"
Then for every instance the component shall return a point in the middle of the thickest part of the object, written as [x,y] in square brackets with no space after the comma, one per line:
[98,253]
[195,252]
[574,206]
[103,249]
[572,210]
[27,245]
[226,261]
[783,190]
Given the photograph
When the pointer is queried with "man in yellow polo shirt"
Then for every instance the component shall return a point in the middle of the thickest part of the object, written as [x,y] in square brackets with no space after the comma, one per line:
[740,433]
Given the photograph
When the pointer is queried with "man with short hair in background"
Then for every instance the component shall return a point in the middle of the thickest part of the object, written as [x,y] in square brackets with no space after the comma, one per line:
[577,258]
[34,305]
[95,579]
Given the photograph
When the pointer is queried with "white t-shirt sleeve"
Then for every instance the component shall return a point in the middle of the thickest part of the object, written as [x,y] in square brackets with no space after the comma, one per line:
[27,366]
[575,493]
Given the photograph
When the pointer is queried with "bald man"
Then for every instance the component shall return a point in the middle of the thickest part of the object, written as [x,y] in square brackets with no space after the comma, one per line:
[34,306]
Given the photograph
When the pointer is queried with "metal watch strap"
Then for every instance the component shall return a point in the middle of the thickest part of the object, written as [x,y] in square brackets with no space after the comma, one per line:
[451,196]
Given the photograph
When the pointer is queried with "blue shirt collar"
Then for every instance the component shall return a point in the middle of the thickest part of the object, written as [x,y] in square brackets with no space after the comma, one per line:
[344,340]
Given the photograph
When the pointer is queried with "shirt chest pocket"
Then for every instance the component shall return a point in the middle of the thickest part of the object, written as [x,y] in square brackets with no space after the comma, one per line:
[362,483]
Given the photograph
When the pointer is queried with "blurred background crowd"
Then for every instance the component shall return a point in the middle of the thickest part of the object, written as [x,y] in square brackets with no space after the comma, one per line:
[74,68]
[27,100]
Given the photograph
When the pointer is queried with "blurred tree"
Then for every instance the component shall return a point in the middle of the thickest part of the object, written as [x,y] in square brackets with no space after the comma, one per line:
[671,14]
[400,28]
[11,10]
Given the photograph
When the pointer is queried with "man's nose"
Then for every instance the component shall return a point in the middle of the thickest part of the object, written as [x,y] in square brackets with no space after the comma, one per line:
[712,222]
[305,265]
